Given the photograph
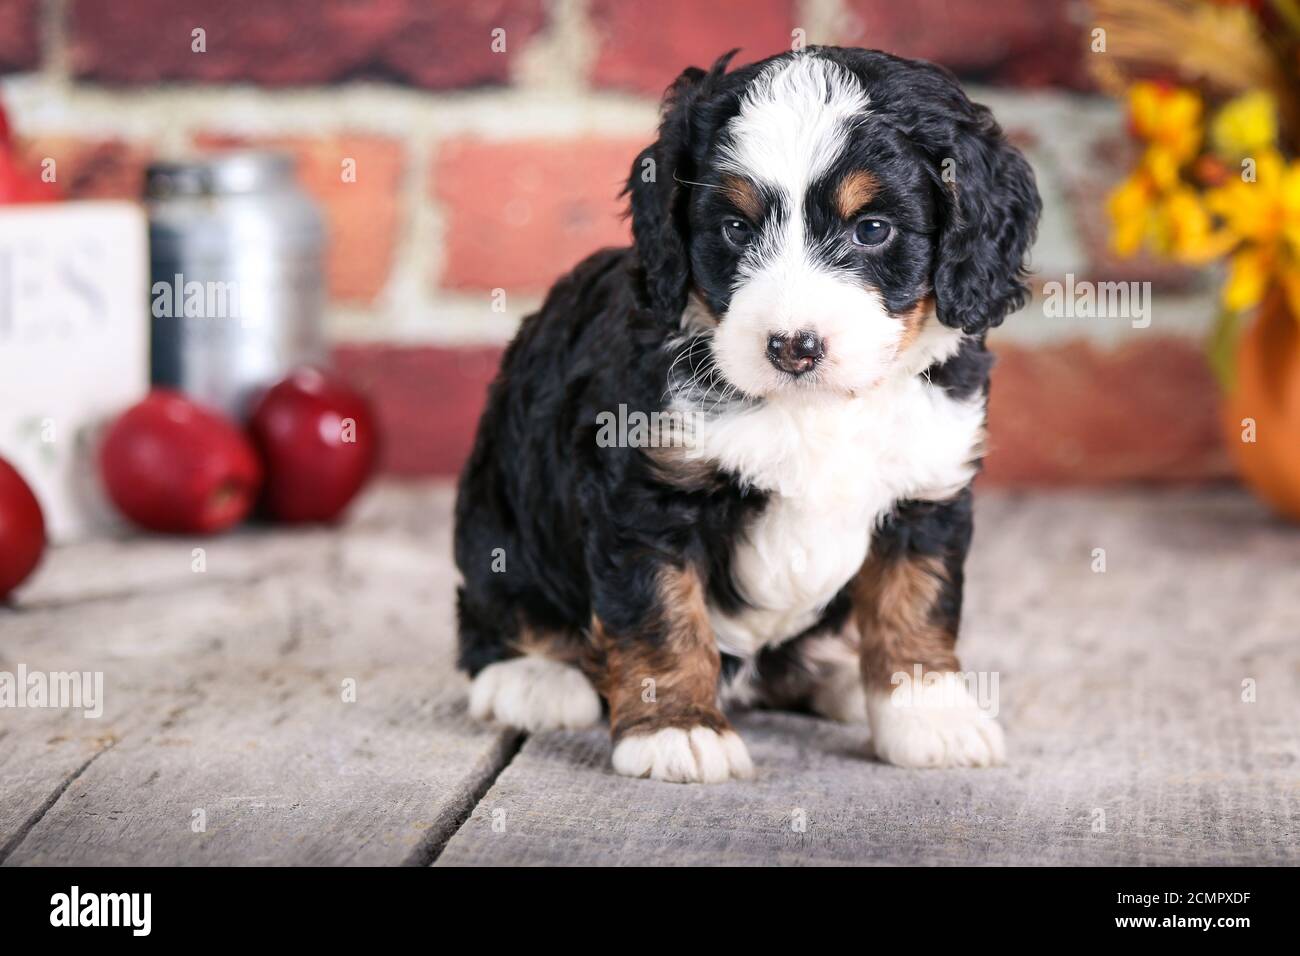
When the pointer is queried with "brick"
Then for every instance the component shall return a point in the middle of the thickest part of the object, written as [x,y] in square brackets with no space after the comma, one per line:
[519,214]
[90,168]
[20,46]
[428,401]
[645,47]
[362,217]
[1076,413]
[437,44]
[1022,42]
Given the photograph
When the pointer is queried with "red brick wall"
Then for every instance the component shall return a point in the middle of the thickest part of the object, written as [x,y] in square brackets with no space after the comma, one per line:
[19,35]
[482,170]
[434,45]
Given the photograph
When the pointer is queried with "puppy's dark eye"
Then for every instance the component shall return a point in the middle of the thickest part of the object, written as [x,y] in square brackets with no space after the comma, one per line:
[736,232]
[871,232]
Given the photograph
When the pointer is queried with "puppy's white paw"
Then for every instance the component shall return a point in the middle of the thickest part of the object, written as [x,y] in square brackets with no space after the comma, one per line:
[697,755]
[935,725]
[534,693]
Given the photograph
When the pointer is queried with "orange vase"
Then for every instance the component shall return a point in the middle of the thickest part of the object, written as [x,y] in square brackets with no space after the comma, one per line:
[1267,394]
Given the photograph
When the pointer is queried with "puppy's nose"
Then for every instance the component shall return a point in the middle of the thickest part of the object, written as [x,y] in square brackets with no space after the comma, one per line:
[796,353]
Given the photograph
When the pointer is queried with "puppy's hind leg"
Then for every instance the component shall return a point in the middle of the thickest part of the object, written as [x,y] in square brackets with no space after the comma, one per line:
[817,671]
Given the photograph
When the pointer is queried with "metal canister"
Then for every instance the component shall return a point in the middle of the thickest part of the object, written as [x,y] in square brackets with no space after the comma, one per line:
[237,287]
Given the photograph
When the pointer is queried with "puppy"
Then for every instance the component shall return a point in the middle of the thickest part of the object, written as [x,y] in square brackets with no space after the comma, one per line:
[794,353]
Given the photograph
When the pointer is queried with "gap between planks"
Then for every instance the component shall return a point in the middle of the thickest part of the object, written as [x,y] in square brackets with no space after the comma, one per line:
[438,837]
[30,823]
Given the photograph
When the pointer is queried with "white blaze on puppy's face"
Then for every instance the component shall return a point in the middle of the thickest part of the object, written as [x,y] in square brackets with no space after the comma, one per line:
[793,124]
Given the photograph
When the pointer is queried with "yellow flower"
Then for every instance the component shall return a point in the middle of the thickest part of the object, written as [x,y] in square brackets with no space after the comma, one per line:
[1252,204]
[1252,218]
[1130,206]
[1167,118]
[1263,215]
[1245,126]
[1189,231]
[1248,273]
[1162,165]
[1173,222]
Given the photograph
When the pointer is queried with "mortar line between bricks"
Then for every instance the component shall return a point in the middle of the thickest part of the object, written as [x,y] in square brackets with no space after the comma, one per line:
[21,834]
[53,38]
[428,852]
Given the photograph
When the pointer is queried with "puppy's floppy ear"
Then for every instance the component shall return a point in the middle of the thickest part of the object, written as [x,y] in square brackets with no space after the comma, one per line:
[658,192]
[989,207]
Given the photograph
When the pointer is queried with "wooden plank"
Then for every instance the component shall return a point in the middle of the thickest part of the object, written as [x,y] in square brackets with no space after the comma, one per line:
[228,699]
[41,753]
[276,769]
[1121,692]
[137,562]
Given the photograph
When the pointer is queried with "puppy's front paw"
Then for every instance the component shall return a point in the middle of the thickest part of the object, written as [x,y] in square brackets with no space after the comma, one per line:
[694,755]
[534,693]
[937,725]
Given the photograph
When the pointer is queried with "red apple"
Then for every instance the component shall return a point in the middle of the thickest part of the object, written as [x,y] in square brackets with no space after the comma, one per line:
[318,440]
[22,529]
[170,464]
[18,183]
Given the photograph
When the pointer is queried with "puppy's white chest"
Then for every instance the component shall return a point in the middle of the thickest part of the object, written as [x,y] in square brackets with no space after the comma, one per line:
[791,562]
[832,469]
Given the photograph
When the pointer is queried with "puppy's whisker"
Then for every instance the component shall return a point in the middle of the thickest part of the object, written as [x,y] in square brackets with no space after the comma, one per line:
[687,352]
[697,370]
[691,182]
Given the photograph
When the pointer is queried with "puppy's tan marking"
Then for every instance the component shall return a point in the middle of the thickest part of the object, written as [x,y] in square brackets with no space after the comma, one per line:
[913,321]
[894,602]
[856,190]
[562,646]
[744,196]
[668,678]
[675,465]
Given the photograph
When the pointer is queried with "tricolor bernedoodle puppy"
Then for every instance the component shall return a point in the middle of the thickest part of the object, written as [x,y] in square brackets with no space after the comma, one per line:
[822,241]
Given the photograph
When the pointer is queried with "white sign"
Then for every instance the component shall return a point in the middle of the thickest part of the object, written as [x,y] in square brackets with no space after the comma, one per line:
[74,347]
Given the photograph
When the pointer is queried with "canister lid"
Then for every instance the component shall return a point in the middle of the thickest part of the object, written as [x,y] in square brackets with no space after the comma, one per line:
[221,174]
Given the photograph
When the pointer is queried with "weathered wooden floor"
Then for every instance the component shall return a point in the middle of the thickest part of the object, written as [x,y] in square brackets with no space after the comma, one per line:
[226,738]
